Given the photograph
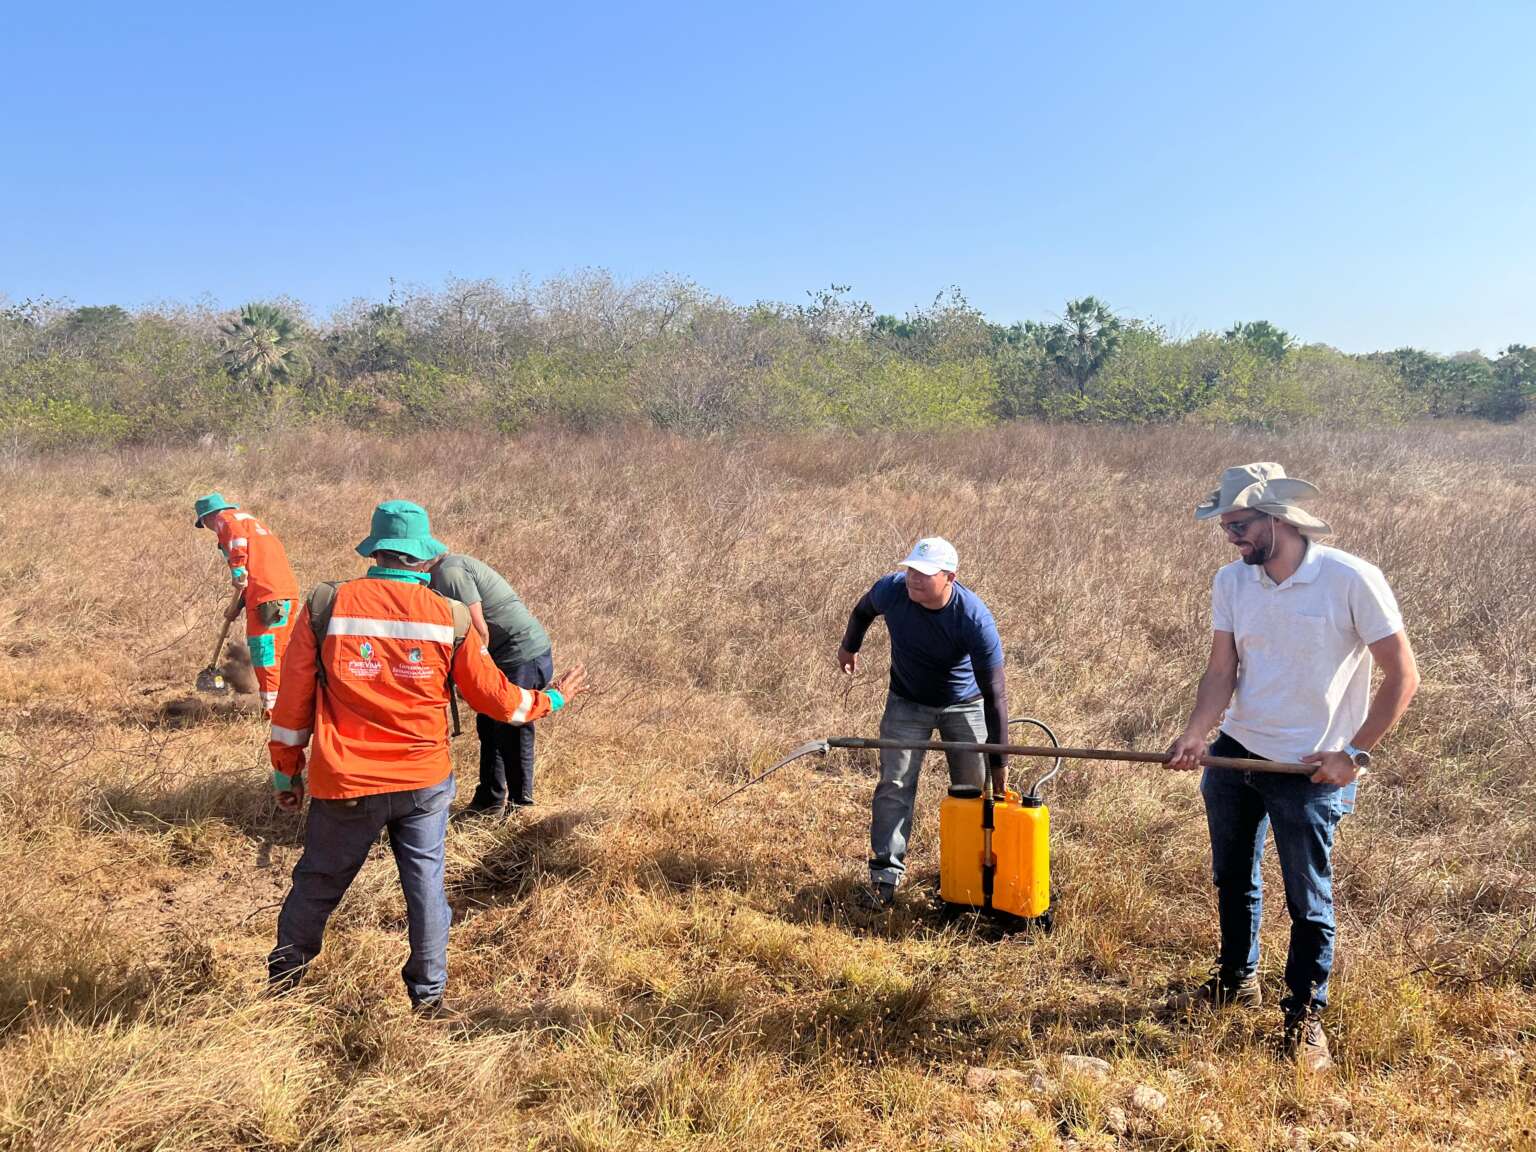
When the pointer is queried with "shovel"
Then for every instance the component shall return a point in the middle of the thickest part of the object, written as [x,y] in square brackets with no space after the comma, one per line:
[210,679]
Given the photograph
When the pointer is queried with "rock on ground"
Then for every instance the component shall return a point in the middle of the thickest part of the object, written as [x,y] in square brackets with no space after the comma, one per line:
[979,1079]
[1089,1066]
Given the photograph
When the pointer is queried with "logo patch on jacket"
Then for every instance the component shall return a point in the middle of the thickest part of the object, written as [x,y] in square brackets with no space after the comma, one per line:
[364,666]
[413,668]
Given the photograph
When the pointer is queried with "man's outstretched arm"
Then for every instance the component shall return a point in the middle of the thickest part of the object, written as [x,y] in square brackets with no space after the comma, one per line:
[859,620]
[491,694]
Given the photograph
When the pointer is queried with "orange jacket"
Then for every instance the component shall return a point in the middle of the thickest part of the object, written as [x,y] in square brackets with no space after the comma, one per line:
[379,718]
[257,554]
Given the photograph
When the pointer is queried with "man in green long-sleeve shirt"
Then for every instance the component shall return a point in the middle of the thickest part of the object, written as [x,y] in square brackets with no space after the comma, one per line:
[521,649]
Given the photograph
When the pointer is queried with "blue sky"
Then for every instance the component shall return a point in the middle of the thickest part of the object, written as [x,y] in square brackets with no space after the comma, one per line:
[1363,174]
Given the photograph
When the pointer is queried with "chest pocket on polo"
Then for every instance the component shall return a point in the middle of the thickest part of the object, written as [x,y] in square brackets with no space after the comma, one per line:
[1308,635]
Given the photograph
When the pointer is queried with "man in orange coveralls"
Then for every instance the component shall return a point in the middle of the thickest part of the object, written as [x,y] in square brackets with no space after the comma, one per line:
[370,699]
[264,586]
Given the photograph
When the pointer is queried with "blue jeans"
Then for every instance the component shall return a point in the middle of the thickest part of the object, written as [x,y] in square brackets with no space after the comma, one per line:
[336,843]
[1238,808]
[891,815]
[506,750]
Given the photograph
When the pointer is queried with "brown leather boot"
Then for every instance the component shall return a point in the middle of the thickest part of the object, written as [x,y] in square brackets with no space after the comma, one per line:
[1306,1042]
[1219,992]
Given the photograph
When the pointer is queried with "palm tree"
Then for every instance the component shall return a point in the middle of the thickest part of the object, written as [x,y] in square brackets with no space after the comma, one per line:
[1084,340]
[263,345]
[1263,337]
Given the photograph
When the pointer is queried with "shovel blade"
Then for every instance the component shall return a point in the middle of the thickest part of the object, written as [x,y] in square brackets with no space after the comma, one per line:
[210,679]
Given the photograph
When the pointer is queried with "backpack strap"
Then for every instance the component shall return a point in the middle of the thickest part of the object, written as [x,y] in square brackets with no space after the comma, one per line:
[322,601]
[463,623]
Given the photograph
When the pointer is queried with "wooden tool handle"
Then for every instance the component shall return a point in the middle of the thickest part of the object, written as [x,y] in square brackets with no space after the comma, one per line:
[1114,754]
[219,647]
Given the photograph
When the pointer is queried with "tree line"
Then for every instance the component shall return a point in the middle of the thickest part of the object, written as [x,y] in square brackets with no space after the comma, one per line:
[588,350]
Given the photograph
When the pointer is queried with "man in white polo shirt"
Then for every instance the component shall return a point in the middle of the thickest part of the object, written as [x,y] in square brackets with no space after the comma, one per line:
[1296,628]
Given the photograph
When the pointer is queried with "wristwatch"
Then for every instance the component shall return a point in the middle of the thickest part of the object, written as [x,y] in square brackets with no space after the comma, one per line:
[1360,757]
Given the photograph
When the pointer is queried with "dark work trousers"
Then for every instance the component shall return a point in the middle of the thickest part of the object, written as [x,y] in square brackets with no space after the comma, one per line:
[506,750]
[1239,807]
[337,838]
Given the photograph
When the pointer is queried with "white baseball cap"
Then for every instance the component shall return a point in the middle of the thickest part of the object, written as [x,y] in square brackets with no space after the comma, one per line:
[931,555]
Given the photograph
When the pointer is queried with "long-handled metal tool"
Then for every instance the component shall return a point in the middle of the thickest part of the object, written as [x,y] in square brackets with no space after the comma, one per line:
[1112,754]
[211,679]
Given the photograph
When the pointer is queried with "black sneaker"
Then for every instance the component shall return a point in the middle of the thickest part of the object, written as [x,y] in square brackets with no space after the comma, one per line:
[880,896]
[1219,991]
[429,1009]
[476,814]
[1306,1042]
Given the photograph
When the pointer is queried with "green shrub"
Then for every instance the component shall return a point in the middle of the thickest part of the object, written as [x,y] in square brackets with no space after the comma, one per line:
[579,391]
[42,424]
[857,388]
[588,352]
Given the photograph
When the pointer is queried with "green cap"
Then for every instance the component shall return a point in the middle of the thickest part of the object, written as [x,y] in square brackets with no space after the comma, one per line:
[207,505]
[400,526]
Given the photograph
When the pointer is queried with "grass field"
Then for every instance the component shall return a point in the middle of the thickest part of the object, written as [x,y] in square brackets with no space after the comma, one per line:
[638,967]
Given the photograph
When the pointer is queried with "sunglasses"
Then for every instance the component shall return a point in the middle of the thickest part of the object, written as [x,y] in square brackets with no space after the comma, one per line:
[1238,529]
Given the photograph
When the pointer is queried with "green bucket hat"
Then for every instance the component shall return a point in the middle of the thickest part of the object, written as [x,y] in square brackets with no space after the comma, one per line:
[400,526]
[209,504]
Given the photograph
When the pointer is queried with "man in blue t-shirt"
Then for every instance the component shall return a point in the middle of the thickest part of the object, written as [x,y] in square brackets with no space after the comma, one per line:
[946,674]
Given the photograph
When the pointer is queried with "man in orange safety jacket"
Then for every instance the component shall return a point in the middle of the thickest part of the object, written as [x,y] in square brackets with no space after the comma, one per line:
[366,689]
[264,586]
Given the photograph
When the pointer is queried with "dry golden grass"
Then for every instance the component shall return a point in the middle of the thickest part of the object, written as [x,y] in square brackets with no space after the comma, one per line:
[640,968]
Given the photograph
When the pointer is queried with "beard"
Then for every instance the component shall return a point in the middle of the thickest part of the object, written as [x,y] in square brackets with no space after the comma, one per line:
[1259,553]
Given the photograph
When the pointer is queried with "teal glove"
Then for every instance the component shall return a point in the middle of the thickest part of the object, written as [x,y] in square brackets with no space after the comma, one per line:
[289,790]
[556,701]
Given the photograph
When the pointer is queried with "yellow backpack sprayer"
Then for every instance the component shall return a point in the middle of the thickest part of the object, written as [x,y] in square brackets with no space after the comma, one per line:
[994,850]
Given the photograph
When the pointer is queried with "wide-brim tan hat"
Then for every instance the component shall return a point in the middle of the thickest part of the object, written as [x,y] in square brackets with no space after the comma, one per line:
[1264,488]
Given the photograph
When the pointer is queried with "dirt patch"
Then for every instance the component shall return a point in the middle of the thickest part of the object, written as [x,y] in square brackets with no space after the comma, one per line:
[188,710]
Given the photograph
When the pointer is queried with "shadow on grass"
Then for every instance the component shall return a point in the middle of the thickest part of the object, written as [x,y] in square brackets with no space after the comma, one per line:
[711,868]
[233,800]
[90,979]
[919,911]
[542,1016]
[871,1018]
[517,858]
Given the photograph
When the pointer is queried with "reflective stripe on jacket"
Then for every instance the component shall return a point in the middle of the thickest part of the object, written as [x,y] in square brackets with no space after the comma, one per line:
[379,720]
